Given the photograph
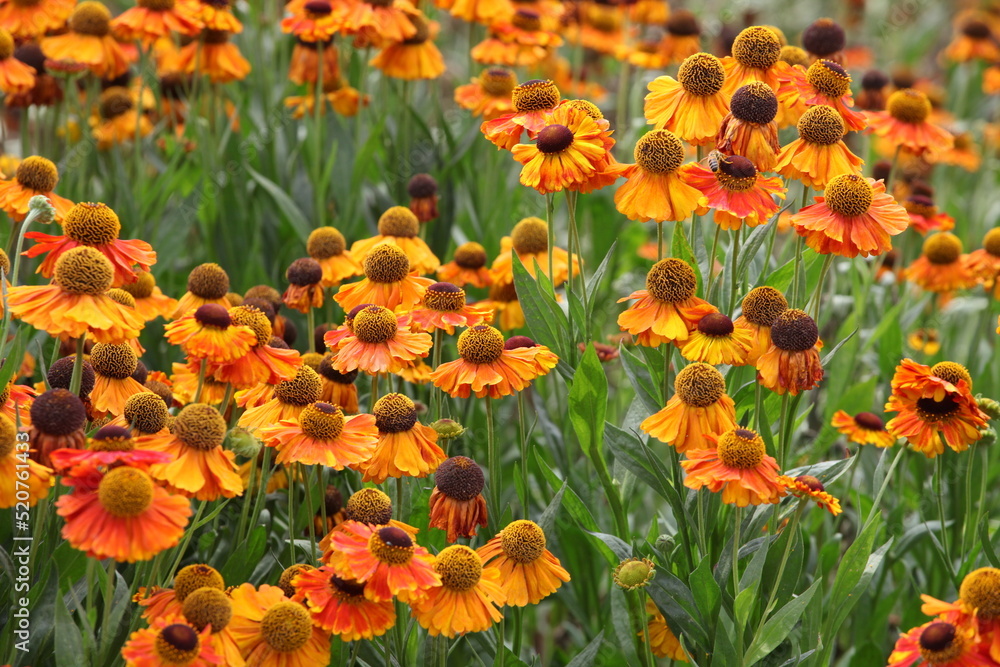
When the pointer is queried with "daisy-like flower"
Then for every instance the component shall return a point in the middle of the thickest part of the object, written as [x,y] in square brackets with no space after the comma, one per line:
[507,312]
[663,642]
[478,11]
[385,558]
[170,643]
[749,129]
[400,226]
[977,605]
[213,56]
[530,240]
[667,311]
[939,643]
[873,96]
[520,40]
[698,408]
[933,411]
[388,282]
[21,474]
[855,216]
[569,153]
[317,22]
[737,192]
[683,36]
[756,58]
[973,39]
[457,504]
[792,363]
[738,466]
[715,340]
[273,631]
[414,58]
[905,123]
[925,216]
[864,428]
[807,486]
[151,20]
[304,67]
[121,514]
[337,388]
[468,599]
[693,105]
[209,333]
[487,368]
[370,506]
[489,94]
[265,363]
[118,119]
[381,342]
[322,435]
[57,420]
[819,154]
[405,447]
[34,176]
[15,76]
[216,15]
[338,96]
[423,191]
[201,468]
[89,42]
[824,38]
[207,283]
[533,101]
[114,365]
[289,399]
[145,413]
[95,226]
[985,262]
[444,307]
[305,289]
[27,20]
[468,266]
[653,188]
[327,246]
[760,308]
[150,301]
[339,606]
[169,602]
[941,266]
[210,609]
[828,83]
[790,103]
[379,23]
[75,302]
[528,571]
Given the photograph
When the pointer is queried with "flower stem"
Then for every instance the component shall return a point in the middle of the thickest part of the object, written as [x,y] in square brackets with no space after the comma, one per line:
[738,516]
[792,527]
[318,147]
[76,379]
[202,367]
[817,296]
[523,442]
[648,648]
[290,471]
[939,494]
[711,262]
[550,207]
[374,396]
[492,460]
[733,263]
[659,240]
[107,633]
[306,478]
[311,326]
[437,394]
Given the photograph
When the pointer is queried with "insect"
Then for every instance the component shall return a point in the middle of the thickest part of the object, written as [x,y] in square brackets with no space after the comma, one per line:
[714,158]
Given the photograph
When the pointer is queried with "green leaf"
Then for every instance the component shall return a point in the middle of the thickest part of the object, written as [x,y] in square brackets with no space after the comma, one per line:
[68,642]
[637,457]
[642,382]
[984,539]
[674,600]
[585,658]
[778,627]
[619,548]
[705,588]
[588,403]
[543,316]
[548,517]
[576,507]
[681,249]
[286,206]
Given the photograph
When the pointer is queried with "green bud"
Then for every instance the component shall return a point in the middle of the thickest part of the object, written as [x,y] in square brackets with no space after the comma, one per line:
[448,429]
[243,443]
[634,573]
[989,406]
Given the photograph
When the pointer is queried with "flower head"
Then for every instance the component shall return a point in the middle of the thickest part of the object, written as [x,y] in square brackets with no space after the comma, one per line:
[738,466]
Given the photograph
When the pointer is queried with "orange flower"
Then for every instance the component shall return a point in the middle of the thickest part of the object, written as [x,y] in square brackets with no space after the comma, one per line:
[110,446]
[693,105]
[487,368]
[489,94]
[58,417]
[321,435]
[96,226]
[925,216]
[89,42]
[318,22]
[273,631]
[414,58]
[405,448]
[653,188]
[216,15]
[533,101]
[477,11]
[21,474]
[931,407]
[530,240]
[339,606]
[168,602]
[457,504]
[973,40]
[905,123]
[15,76]
[663,642]
[161,644]
[468,598]
[528,571]
[114,365]
[305,290]
[304,67]
[399,226]
[807,486]
[736,190]
[34,176]
[150,301]
[667,311]
[201,468]
[827,83]
[385,558]
[468,266]
[761,307]
[379,23]
[863,428]
[327,246]
[207,283]
[738,466]
[121,514]
[75,303]
[570,153]
[976,606]
[444,307]
[388,281]
[507,312]
[264,362]
[749,128]
[819,154]
[209,334]
[423,189]
[28,20]
[716,341]
[151,20]
[117,119]
[756,58]
[289,399]
[381,343]
[338,388]
[792,363]
[941,266]
[941,644]
[854,216]
[519,40]
[984,263]
[683,36]
[698,408]
[213,56]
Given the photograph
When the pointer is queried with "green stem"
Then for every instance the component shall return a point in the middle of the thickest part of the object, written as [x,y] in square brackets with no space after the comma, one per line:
[290,471]
[188,534]
[711,262]
[107,633]
[738,516]
[76,379]
[772,596]
[318,189]
[733,263]
[202,368]
[245,509]
[493,461]
[311,326]
[518,630]
[374,396]
[648,648]
[550,207]
[522,439]
[939,495]
[817,296]
[309,508]
[659,240]
[437,394]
